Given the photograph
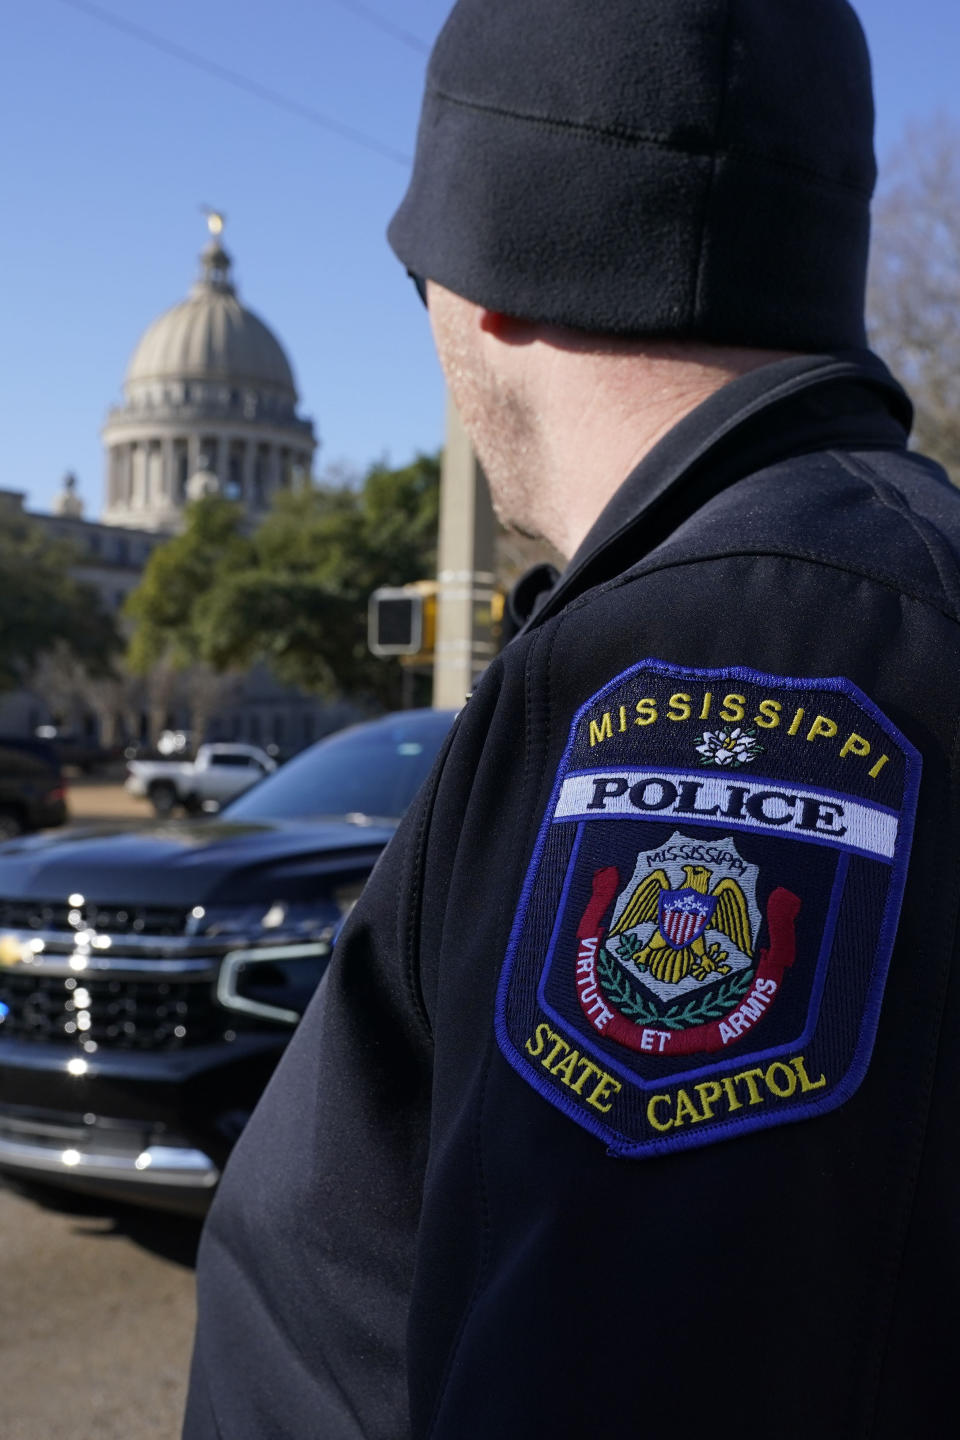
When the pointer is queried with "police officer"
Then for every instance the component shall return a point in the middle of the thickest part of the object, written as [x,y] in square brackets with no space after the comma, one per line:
[628,1105]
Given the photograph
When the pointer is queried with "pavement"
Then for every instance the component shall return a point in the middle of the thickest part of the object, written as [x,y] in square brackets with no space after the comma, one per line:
[96,1318]
[96,1298]
[95,798]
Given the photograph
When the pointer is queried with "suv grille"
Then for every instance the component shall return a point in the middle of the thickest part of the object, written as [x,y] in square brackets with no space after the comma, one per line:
[162,920]
[125,977]
[121,1013]
[118,977]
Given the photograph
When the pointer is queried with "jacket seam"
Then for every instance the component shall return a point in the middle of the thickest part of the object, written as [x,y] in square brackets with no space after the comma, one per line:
[410,934]
[484,1265]
[633,139]
[920,1138]
[228,1248]
[483,1268]
[804,557]
[894,501]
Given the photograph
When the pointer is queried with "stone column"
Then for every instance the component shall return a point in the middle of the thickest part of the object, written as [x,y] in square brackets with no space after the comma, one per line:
[220,462]
[136,475]
[167,471]
[465,560]
[249,466]
[193,454]
[153,475]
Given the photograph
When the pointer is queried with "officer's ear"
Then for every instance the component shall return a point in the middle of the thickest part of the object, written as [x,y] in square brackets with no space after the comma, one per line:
[508,328]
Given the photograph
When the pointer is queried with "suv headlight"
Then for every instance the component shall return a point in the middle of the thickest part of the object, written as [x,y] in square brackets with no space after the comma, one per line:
[272,982]
[301,919]
[282,951]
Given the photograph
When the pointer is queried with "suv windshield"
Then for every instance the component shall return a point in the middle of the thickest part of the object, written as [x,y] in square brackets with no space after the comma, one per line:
[374,769]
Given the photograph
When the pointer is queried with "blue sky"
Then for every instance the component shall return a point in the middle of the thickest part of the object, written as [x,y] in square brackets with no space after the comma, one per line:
[110,149]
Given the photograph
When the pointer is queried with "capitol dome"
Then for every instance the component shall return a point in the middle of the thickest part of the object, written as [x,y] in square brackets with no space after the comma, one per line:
[210,335]
[207,379]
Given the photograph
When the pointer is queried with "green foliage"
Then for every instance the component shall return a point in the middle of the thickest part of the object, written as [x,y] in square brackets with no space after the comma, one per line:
[711,1003]
[177,577]
[401,512]
[294,593]
[293,622]
[631,948]
[43,608]
[617,987]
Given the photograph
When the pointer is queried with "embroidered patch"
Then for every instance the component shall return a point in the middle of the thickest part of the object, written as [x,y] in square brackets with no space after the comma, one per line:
[704,932]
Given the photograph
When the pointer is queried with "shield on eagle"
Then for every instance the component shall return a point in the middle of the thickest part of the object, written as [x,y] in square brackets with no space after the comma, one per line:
[683,915]
[687,916]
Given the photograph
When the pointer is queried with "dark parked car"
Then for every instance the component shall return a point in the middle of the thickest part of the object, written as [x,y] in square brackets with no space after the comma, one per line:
[32,796]
[83,752]
[149,980]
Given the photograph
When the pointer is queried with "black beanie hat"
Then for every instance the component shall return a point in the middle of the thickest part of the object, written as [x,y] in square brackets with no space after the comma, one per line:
[686,168]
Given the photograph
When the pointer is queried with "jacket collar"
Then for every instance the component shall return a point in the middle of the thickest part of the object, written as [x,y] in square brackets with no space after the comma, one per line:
[792,407]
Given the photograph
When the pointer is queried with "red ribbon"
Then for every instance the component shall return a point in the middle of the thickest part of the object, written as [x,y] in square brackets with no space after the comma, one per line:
[783,907]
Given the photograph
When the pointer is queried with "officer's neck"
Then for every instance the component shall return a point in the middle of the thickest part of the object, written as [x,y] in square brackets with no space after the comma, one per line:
[601,412]
[590,408]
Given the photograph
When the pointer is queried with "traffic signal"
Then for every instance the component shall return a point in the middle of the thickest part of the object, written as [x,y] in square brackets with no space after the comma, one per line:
[401,620]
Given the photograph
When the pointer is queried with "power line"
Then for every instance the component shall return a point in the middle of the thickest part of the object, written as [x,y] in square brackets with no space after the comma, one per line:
[240,82]
[406,37]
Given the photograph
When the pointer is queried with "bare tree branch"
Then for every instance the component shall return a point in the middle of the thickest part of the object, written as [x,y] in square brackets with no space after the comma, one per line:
[914,291]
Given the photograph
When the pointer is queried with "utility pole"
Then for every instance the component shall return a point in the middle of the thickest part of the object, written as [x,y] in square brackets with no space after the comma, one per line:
[465,571]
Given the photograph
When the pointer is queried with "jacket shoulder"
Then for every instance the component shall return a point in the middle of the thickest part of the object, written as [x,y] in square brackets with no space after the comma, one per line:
[889,515]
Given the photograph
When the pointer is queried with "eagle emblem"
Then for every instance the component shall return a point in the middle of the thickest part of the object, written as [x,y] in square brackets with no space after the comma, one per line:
[686,919]
[677,947]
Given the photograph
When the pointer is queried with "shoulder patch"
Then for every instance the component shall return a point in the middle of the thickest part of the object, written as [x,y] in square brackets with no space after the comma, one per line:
[705,928]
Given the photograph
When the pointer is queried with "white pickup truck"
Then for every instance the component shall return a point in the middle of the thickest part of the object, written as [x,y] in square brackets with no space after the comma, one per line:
[218,774]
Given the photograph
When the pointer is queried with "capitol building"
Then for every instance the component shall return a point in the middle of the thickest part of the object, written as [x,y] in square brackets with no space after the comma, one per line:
[209,407]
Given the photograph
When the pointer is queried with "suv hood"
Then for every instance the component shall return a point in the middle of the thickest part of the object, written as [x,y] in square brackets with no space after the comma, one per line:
[188,863]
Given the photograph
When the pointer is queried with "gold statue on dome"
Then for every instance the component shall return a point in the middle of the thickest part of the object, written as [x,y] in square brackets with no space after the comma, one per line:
[215,220]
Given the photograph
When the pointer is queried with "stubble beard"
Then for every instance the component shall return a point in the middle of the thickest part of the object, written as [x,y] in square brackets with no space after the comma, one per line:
[505,432]
[506,439]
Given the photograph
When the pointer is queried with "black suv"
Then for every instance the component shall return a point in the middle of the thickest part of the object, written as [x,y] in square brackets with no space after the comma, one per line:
[32,796]
[150,979]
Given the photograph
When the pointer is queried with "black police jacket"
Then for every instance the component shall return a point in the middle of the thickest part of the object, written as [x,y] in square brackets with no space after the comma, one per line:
[629,1104]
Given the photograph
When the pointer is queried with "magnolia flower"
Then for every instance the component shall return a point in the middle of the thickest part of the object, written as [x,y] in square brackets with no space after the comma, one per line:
[728,747]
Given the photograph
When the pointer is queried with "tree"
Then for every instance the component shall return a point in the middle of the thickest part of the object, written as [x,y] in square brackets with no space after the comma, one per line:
[293,623]
[320,553]
[294,593]
[43,609]
[179,573]
[168,642]
[914,293]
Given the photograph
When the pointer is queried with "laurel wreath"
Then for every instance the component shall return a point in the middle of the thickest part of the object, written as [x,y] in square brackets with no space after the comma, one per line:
[712,1004]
